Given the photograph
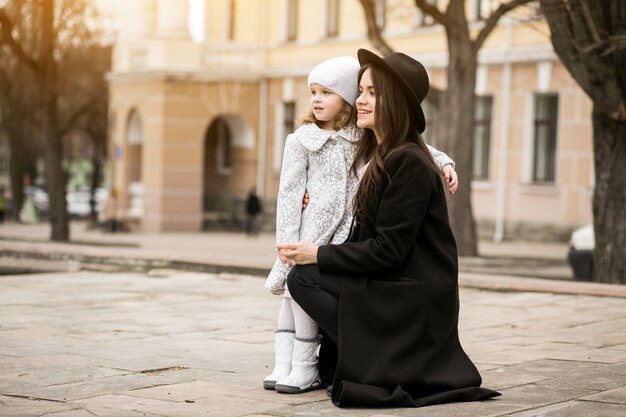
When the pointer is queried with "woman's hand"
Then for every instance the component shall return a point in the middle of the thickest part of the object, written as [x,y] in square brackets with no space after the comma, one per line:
[301,253]
[451,178]
[305,200]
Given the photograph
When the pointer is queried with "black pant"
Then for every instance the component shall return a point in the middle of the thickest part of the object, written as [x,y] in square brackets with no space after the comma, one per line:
[318,295]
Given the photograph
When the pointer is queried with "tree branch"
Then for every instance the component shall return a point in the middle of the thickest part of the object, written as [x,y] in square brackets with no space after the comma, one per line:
[589,21]
[16,48]
[493,19]
[373,30]
[435,13]
[75,116]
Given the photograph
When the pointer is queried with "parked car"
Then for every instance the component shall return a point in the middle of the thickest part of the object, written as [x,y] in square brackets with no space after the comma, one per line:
[39,198]
[78,202]
[581,247]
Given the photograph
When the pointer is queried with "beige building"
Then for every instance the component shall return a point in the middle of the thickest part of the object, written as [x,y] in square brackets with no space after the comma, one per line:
[203,93]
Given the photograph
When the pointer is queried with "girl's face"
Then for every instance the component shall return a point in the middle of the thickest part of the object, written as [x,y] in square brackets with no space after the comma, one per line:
[325,105]
[366,102]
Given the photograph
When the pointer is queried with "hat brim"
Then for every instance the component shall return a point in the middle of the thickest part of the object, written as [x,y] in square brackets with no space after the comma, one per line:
[367,57]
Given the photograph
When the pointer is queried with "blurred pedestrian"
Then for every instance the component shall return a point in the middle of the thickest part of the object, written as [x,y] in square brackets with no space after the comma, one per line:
[253,211]
[29,214]
[109,211]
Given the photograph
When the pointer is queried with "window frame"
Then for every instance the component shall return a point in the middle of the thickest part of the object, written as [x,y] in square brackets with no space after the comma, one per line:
[548,121]
[331,18]
[291,20]
[485,121]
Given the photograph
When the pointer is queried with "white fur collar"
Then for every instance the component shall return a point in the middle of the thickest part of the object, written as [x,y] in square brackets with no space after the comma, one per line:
[313,138]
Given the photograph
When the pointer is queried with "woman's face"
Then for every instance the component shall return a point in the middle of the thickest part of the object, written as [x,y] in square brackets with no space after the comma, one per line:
[325,105]
[366,102]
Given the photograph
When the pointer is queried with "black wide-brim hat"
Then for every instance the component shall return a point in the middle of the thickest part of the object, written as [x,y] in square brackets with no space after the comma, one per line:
[409,72]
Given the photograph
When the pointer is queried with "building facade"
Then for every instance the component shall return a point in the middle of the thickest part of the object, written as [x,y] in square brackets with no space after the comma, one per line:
[204,92]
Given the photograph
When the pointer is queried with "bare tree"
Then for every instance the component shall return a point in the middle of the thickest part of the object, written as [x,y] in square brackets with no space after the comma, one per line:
[90,102]
[17,94]
[61,33]
[590,39]
[457,100]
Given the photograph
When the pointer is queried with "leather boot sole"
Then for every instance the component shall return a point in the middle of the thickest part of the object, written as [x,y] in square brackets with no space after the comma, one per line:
[269,384]
[288,389]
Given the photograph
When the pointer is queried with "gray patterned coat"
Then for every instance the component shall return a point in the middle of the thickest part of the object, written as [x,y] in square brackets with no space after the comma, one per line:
[318,162]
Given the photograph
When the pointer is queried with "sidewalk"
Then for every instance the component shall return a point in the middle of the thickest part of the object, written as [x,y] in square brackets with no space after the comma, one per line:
[93,339]
[183,344]
[505,266]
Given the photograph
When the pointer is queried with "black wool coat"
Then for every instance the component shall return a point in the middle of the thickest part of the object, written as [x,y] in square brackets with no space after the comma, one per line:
[399,302]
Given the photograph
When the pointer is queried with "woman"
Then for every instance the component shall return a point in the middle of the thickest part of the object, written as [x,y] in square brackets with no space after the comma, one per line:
[388,297]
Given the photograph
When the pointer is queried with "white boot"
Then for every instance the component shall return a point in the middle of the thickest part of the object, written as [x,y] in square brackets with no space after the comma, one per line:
[304,374]
[283,349]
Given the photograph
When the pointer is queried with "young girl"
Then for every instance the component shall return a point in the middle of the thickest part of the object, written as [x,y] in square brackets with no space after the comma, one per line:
[317,159]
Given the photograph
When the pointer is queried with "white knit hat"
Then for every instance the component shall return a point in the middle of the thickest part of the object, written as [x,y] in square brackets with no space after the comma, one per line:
[340,75]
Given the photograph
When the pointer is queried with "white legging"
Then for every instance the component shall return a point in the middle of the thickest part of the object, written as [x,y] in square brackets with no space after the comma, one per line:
[293,317]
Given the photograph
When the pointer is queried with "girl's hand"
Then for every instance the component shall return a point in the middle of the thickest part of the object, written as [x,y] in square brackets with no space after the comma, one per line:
[283,258]
[451,178]
[305,200]
[301,253]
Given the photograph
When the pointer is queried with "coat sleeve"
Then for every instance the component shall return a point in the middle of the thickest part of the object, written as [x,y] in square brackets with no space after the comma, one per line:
[441,158]
[293,179]
[403,206]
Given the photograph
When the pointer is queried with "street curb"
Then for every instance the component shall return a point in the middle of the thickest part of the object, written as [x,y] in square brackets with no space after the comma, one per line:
[134,264]
[482,280]
[493,282]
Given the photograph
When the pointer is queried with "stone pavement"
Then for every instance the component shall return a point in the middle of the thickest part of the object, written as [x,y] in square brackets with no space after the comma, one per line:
[167,342]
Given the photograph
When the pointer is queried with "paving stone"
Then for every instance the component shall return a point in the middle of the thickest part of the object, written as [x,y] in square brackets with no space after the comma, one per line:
[24,407]
[616,396]
[507,377]
[101,386]
[224,407]
[575,409]
[59,374]
[209,340]
[122,403]
[540,394]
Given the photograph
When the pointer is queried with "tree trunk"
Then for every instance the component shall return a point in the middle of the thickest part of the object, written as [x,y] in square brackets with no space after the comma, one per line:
[458,111]
[53,148]
[22,159]
[17,170]
[96,177]
[609,200]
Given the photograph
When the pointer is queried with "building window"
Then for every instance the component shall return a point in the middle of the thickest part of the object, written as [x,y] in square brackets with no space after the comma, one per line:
[544,144]
[424,19]
[484,8]
[292,20]
[430,115]
[482,137]
[286,126]
[230,20]
[289,117]
[222,134]
[285,123]
[381,13]
[332,18]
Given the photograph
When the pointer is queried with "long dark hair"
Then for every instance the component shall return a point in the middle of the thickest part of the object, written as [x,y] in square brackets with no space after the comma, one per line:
[398,130]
